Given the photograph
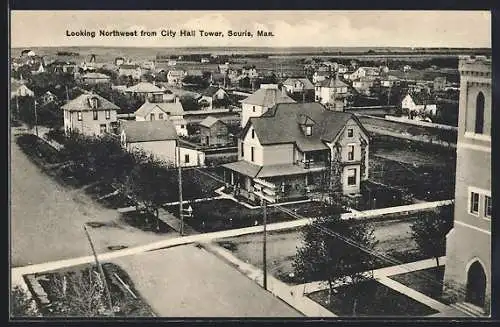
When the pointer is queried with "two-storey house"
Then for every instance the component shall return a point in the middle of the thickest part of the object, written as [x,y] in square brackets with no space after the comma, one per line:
[90,114]
[468,275]
[298,85]
[172,111]
[261,100]
[174,77]
[331,91]
[300,148]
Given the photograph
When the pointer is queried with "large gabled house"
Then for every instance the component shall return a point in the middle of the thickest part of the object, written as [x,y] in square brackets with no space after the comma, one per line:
[418,104]
[298,85]
[331,91]
[261,100]
[90,114]
[300,148]
[172,111]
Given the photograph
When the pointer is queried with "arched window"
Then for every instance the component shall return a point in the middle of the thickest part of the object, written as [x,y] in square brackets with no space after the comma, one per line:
[479,114]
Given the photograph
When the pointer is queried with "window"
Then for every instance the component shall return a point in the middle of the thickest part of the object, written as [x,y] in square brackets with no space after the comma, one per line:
[253,133]
[186,158]
[79,115]
[351,177]
[102,128]
[474,203]
[96,114]
[308,130]
[108,114]
[182,126]
[350,153]
[478,129]
[242,152]
[487,206]
[253,109]
[160,116]
[252,153]
[93,103]
[350,132]
[152,117]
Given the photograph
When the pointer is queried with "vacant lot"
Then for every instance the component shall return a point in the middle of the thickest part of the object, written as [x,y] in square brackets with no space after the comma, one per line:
[426,281]
[226,214]
[372,299]
[394,239]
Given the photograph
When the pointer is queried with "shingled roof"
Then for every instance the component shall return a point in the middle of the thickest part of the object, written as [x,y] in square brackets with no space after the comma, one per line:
[307,83]
[144,87]
[282,124]
[331,83]
[148,131]
[267,98]
[170,108]
[209,121]
[82,103]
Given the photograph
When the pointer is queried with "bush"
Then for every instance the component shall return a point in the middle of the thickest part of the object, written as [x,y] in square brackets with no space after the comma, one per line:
[212,162]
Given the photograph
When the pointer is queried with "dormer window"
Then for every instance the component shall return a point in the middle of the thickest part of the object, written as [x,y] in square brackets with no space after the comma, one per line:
[93,102]
[308,130]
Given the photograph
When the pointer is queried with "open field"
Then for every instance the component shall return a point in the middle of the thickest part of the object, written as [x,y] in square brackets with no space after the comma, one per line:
[376,300]
[394,239]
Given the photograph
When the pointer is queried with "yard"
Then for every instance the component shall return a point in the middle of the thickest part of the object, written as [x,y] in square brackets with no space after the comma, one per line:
[225,214]
[394,240]
[373,299]
[78,298]
[427,281]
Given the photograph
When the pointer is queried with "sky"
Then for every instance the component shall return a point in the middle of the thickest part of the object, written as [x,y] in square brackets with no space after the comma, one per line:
[291,28]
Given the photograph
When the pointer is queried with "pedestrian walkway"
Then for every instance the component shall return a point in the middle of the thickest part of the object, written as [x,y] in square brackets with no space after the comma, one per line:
[295,299]
[249,206]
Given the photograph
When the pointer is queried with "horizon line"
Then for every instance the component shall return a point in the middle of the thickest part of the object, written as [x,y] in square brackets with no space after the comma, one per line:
[263,46]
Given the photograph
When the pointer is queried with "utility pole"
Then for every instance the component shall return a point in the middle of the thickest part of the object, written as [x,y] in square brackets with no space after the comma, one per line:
[264,249]
[266,191]
[36,120]
[181,209]
[101,272]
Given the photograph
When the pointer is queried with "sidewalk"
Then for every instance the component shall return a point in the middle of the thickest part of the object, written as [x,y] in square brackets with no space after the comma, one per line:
[286,293]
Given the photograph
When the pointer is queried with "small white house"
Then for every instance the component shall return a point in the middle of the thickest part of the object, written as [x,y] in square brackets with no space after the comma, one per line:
[160,139]
[418,104]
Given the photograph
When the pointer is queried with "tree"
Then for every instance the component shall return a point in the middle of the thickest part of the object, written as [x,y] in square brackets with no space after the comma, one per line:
[430,229]
[79,293]
[22,305]
[328,258]
[149,183]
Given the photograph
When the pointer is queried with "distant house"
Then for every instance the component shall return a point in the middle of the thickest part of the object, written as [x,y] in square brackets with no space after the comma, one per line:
[439,83]
[364,72]
[406,68]
[174,77]
[342,69]
[47,98]
[119,61]
[19,89]
[298,85]
[145,90]
[250,71]
[261,100]
[213,94]
[95,78]
[214,132]
[331,91]
[224,68]
[160,139]
[148,65]
[321,76]
[363,84]
[37,68]
[172,111]
[197,73]
[90,114]
[220,79]
[418,105]
[204,60]
[293,147]
[27,53]
[389,81]
[130,70]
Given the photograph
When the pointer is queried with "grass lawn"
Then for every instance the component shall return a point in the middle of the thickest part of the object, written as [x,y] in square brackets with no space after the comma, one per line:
[224,214]
[426,281]
[376,299]
[81,290]
[208,184]
[145,222]
[393,236]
